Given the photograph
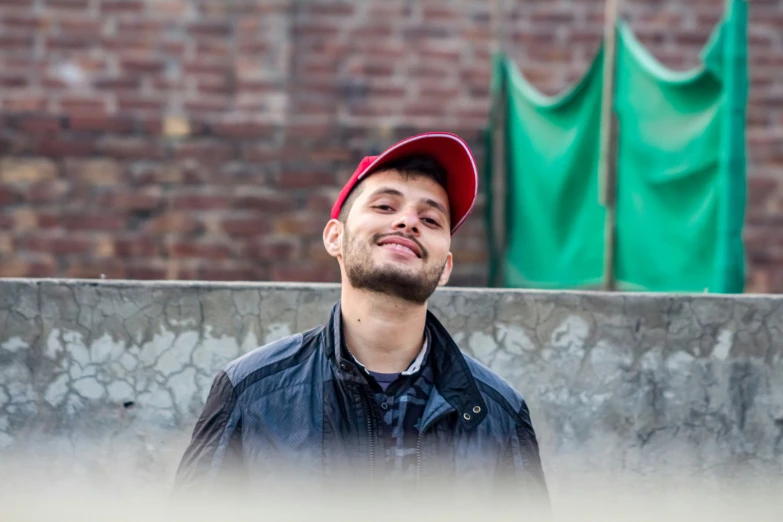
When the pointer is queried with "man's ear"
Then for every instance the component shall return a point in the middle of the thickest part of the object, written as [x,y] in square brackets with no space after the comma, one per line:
[333,237]
[444,277]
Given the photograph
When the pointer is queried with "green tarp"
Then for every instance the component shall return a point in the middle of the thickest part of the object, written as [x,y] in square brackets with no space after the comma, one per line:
[680,172]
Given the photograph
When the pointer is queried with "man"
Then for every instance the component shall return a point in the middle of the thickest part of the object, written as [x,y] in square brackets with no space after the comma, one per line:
[380,392]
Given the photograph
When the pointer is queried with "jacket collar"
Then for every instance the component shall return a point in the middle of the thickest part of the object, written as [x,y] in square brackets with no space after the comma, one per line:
[454,381]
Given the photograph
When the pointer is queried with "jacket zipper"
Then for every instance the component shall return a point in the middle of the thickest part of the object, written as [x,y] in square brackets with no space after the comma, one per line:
[371,433]
[419,442]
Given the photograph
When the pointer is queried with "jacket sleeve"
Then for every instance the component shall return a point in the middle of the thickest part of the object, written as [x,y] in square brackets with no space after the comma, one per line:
[529,456]
[523,476]
[215,449]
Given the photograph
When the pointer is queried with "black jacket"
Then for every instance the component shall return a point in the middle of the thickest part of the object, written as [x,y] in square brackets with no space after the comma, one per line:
[298,405]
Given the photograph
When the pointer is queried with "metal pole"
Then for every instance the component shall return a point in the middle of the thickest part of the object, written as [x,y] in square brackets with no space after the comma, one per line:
[607,161]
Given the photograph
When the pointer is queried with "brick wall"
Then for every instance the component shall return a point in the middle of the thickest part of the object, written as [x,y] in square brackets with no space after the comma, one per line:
[207,138]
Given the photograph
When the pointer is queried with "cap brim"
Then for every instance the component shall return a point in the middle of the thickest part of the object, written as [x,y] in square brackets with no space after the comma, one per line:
[453,154]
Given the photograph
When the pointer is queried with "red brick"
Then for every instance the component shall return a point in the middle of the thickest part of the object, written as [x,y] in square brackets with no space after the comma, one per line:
[9,196]
[136,246]
[122,6]
[23,21]
[93,171]
[46,191]
[151,269]
[138,102]
[134,27]
[317,31]
[331,9]
[201,202]
[210,67]
[162,83]
[231,272]
[54,82]
[385,50]
[56,244]
[68,4]
[439,92]
[173,49]
[13,80]
[213,104]
[242,130]
[13,268]
[306,272]
[306,179]
[80,26]
[69,42]
[128,46]
[103,269]
[262,8]
[254,46]
[245,226]
[321,203]
[184,248]
[440,13]
[141,64]
[267,203]
[272,249]
[330,154]
[130,148]
[93,221]
[219,85]
[300,225]
[38,124]
[100,123]
[135,200]
[422,109]
[760,190]
[260,153]
[55,148]
[124,83]
[25,103]
[152,124]
[214,28]
[95,105]
[317,252]
[179,222]
[15,42]
[251,86]
[44,267]
[47,220]
[212,150]
[375,31]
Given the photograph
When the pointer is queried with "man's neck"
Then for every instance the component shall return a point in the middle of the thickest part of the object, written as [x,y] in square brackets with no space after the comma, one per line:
[383,333]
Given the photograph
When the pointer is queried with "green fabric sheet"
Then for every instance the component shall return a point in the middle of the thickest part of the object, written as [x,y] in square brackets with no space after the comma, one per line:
[680,171]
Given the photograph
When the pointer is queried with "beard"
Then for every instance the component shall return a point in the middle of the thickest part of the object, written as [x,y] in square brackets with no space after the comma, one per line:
[389,279]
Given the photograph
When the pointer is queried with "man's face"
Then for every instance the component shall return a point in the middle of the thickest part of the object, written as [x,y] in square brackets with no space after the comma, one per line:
[396,237]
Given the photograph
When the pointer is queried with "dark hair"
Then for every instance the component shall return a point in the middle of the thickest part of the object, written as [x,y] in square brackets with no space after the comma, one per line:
[417,165]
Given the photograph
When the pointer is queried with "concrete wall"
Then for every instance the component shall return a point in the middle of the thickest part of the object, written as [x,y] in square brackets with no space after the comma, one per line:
[105,378]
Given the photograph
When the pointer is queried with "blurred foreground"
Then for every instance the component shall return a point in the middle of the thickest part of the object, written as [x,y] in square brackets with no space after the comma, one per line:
[38,498]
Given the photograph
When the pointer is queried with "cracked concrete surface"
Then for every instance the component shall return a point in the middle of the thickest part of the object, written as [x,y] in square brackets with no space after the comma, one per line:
[101,377]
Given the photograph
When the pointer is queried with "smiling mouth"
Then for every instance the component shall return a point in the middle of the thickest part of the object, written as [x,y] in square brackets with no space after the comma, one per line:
[401,248]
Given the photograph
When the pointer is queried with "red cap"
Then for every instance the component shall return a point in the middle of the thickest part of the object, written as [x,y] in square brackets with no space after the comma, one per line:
[449,150]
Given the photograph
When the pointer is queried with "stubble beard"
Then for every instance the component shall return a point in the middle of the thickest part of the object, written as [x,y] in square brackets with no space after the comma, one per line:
[405,284]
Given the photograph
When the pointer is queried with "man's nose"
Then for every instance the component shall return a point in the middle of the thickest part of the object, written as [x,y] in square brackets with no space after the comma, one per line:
[408,220]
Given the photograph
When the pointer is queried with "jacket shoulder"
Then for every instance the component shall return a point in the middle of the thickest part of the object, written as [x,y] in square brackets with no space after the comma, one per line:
[495,387]
[270,359]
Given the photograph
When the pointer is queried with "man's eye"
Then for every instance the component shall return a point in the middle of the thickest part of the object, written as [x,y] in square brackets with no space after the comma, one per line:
[383,207]
[431,221]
